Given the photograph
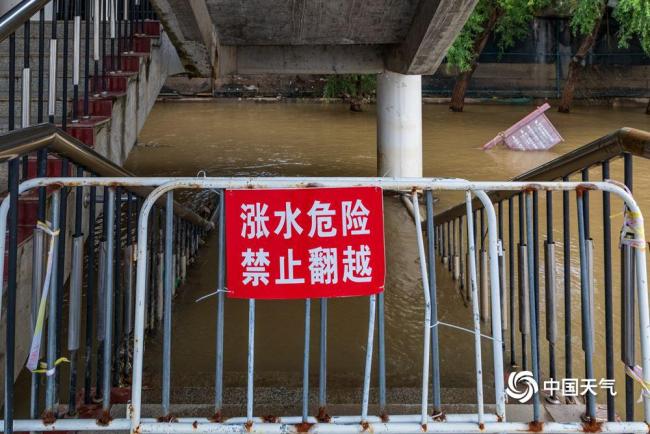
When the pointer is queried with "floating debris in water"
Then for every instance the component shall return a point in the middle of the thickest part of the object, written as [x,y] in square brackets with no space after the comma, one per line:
[535,132]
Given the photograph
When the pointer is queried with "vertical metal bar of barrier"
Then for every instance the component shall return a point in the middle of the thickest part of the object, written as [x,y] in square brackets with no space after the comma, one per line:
[117,286]
[511,278]
[534,342]
[427,311]
[10,342]
[76,281]
[566,240]
[550,290]
[250,362]
[627,303]
[305,362]
[50,389]
[535,270]
[101,297]
[495,294]
[90,305]
[322,375]
[368,359]
[128,308]
[108,301]
[60,280]
[503,293]
[609,305]
[475,307]
[37,257]
[461,255]
[381,350]
[435,356]
[522,264]
[585,200]
[221,288]
[483,272]
[167,303]
[585,291]
[642,293]
[454,251]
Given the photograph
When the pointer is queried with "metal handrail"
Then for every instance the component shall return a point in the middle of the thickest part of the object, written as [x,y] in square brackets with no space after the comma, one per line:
[623,140]
[18,15]
[21,142]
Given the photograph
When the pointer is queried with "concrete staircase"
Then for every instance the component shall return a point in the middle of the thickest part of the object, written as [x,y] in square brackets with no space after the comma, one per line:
[116,118]
[115,115]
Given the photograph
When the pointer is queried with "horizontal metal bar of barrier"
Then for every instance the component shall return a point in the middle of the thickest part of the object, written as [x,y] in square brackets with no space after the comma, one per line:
[202,425]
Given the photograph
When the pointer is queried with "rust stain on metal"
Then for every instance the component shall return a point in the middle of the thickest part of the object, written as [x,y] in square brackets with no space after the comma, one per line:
[592,426]
[529,188]
[322,415]
[104,419]
[248,425]
[304,426]
[195,424]
[48,418]
[269,418]
[583,187]
[535,426]
[216,418]
[384,416]
[169,418]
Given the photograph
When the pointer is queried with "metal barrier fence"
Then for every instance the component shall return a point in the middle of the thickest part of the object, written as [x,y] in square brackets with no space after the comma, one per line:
[554,258]
[424,421]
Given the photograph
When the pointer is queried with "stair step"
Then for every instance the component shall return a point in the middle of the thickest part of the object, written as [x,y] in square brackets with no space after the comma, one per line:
[84,129]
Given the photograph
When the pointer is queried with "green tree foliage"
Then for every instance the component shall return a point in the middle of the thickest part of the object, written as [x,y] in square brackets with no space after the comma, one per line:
[350,85]
[354,88]
[512,23]
[585,14]
[633,17]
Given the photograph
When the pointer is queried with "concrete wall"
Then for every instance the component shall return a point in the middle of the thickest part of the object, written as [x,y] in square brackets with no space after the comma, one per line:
[506,80]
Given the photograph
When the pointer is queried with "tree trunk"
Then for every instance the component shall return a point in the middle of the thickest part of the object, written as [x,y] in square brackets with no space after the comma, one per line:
[576,65]
[647,109]
[462,80]
[460,89]
[357,99]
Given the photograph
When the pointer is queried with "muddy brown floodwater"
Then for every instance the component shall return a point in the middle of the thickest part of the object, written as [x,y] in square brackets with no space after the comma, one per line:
[229,138]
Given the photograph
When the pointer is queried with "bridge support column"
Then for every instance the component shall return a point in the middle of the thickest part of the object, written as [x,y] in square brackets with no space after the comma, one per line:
[399,125]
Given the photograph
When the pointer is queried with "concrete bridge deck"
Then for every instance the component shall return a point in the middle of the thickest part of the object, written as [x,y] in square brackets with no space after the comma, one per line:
[224,37]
